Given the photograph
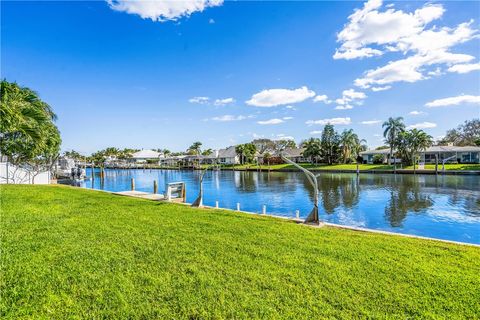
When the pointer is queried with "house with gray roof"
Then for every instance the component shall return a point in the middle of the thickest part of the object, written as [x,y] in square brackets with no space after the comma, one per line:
[454,154]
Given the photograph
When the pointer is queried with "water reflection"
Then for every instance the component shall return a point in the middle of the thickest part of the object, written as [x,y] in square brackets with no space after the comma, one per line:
[439,206]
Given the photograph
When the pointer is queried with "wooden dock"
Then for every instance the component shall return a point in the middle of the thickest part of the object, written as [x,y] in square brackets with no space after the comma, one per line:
[143,195]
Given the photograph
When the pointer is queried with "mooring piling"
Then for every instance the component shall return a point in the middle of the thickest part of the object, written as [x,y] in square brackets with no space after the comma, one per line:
[238,206]
[264,209]
[155,187]
[132,184]
[216,204]
[297,214]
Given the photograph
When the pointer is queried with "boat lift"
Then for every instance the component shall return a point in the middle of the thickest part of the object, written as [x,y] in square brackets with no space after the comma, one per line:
[313,215]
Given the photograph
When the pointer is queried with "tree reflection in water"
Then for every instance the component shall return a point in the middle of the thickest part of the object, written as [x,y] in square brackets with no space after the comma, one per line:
[405,196]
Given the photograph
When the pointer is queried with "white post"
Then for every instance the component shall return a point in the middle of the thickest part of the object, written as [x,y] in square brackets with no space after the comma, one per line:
[264,209]
[238,206]
[297,214]
[216,204]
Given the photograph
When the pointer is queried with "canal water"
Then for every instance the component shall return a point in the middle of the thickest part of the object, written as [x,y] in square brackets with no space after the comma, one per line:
[444,207]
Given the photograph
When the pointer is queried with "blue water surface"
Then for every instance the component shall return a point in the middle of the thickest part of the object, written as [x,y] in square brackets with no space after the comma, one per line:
[444,206]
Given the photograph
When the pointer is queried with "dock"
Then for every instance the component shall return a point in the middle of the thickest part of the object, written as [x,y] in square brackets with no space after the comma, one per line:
[143,195]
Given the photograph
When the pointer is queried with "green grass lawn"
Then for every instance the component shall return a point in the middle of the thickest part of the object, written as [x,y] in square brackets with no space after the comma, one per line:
[74,253]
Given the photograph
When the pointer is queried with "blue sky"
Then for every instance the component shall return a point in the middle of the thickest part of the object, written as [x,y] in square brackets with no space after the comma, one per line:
[139,76]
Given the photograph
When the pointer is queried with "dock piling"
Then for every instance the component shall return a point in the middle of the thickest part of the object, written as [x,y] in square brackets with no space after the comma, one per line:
[238,206]
[264,209]
[155,187]
[132,184]
[297,214]
[216,204]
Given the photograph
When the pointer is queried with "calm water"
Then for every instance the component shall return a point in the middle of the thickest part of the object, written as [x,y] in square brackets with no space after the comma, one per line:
[445,207]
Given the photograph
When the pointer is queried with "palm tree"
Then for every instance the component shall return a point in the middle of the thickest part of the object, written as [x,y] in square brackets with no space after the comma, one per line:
[240,150]
[195,148]
[27,127]
[348,143]
[419,140]
[393,126]
[312,149]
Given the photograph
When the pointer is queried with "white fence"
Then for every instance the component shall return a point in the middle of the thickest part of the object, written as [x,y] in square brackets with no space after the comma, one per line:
[15,175]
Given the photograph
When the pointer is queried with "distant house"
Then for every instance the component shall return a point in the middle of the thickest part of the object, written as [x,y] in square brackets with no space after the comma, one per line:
[227,156]
[295,155]
[467,154]
[144,156]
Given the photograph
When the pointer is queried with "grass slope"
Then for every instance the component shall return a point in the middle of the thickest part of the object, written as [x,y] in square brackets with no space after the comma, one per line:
[73,253]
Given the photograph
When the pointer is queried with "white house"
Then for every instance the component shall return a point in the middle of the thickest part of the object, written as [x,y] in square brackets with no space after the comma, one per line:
[227,156]
[143,156]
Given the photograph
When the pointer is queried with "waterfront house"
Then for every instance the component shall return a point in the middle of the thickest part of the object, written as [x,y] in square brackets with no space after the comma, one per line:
[453,154]
[144,156]
[228,156]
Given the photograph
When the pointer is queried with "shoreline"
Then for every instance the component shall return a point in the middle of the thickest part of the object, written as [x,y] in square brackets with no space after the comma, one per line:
[299,221]
[369,171]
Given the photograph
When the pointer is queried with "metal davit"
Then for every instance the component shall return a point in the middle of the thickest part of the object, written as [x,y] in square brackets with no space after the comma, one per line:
[313,215]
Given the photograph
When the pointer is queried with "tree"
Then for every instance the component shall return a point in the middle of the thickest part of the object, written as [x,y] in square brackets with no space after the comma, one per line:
[195,148]
[312,149]
[207,152]
[264,145]
[393,127]
[411,143]
[28,135]
[283,144]
[330,144]
[73,155]
[350,145]
[246,152]
[466,134]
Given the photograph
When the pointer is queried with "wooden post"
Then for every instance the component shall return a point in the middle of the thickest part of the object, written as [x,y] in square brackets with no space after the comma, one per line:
[216,204]
[132,184]
[264,209]
[297,214]
[238,206]
[155,187]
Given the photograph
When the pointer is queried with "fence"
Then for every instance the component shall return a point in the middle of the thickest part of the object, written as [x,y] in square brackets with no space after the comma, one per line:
[16,175]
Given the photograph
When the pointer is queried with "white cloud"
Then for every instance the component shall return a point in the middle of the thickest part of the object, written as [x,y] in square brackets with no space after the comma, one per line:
[334,121]
[290,107]
[348,97]
[409,69]
[200,100]
[394,30]
[211,21]
[416,113]
[464,68]
[322,98]
[282,136]
[276,97]
[422,125]
[371,122]
[158,10]
[222,102]
[228,117]
[351,94]
[271,121]
[375,89]
[453,101]
[314,132]
[344,107]
[287,118]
